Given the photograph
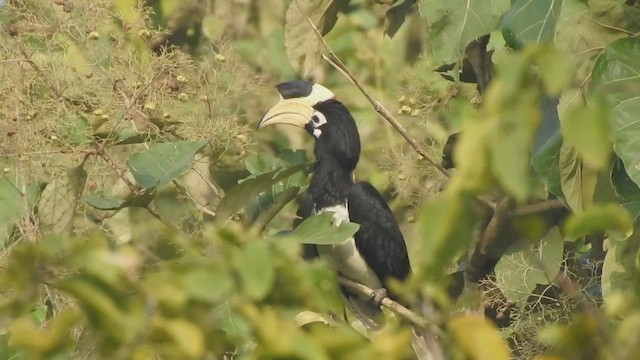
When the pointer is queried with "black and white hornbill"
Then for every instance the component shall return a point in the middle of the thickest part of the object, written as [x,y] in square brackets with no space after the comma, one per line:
[377,252]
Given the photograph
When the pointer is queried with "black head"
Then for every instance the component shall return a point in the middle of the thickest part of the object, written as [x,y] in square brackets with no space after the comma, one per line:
[315,108]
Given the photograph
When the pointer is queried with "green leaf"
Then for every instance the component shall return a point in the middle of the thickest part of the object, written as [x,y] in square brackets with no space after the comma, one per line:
[624,187]
[103,202]
[455,23]
[446,230]
[395,15]
[578,181]
[256,269]
[616,74]
[319,230]
[587,128]
[530,22]
[546,164]
[188,337]
[512,141]
[15,204]
[77,129]
[526,265]
[100,308]
[240,195]
[632,18]
[619,270]
[303,45]
[599,218]
[207,286]
[57,205]
[39,314]
[9,353]
[479,338]
[162,163]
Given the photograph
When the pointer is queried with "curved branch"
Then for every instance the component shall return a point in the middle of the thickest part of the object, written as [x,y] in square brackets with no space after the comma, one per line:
[397,308]
[335,61]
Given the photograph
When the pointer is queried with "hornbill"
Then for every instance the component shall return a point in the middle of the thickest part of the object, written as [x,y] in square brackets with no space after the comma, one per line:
[377,251]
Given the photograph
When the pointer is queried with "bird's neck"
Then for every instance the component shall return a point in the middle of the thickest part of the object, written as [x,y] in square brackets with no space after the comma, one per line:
[330,183]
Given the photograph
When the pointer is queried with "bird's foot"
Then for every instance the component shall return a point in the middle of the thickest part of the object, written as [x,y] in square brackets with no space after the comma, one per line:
[378,295]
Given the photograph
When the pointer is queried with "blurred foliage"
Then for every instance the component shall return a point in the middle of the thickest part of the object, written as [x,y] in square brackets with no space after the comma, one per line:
[143,218]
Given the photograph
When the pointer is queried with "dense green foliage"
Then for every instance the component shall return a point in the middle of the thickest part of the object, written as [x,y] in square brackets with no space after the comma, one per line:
[143,217]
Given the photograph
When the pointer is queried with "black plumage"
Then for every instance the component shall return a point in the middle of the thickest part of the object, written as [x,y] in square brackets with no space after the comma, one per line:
[377,251]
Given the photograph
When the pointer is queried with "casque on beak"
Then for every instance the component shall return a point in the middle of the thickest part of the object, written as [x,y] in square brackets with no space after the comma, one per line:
[295,107]
[288,111]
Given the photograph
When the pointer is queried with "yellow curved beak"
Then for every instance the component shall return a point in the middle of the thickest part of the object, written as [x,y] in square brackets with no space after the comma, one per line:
[288,111]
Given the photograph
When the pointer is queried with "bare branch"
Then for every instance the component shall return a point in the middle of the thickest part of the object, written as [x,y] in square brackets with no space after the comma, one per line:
[397,308]
[538,207]
[335,61]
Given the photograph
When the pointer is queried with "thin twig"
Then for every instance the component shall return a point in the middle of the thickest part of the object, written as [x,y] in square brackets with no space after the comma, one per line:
[538,207]
[397,308]
[281,201]
[121,174]
[335,61]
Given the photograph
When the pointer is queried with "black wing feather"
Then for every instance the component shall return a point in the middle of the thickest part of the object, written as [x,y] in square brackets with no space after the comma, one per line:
[379,239]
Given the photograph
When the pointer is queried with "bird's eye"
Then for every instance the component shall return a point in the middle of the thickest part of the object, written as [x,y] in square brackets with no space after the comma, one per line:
[318,119]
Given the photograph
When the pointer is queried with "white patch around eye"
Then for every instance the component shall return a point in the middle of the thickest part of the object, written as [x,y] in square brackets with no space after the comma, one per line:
[318,119]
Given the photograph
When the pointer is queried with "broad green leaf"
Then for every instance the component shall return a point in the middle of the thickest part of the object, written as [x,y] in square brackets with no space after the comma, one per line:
[549,129]
[319,230]
[619,270]
[162,163]
[578,181]
[39,314]
[38,341]
[256,269]
[525,265]
[15,204]
[510,146]
[239,196]
[455,23]
[395,15]
[546,164]
[479,338]
[302,44]
[57,205]
[471,156]
[530,22]
[9,353]
[446,230]
[587,128]
[188,337]
[582,36]
[599,218]
[632,18]
[103,202]
[624,187]
[77,129]
[101,309]
[616,74]
[554,67]
[207,286]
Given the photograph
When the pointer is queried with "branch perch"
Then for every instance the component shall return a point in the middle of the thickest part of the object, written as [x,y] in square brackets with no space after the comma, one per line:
[386,302]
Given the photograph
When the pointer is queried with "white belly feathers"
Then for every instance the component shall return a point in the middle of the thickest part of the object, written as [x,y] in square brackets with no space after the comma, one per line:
[344,257]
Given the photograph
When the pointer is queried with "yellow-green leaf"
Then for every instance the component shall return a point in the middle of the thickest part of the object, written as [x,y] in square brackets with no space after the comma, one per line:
[587,127]
[609,217]
[479,338]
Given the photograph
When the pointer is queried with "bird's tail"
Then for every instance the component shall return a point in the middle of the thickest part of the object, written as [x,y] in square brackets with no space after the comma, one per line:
[425,342]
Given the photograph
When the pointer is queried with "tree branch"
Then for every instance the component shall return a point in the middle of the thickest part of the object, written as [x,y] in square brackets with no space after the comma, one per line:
[538,207]
[335,61]
[397,308]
